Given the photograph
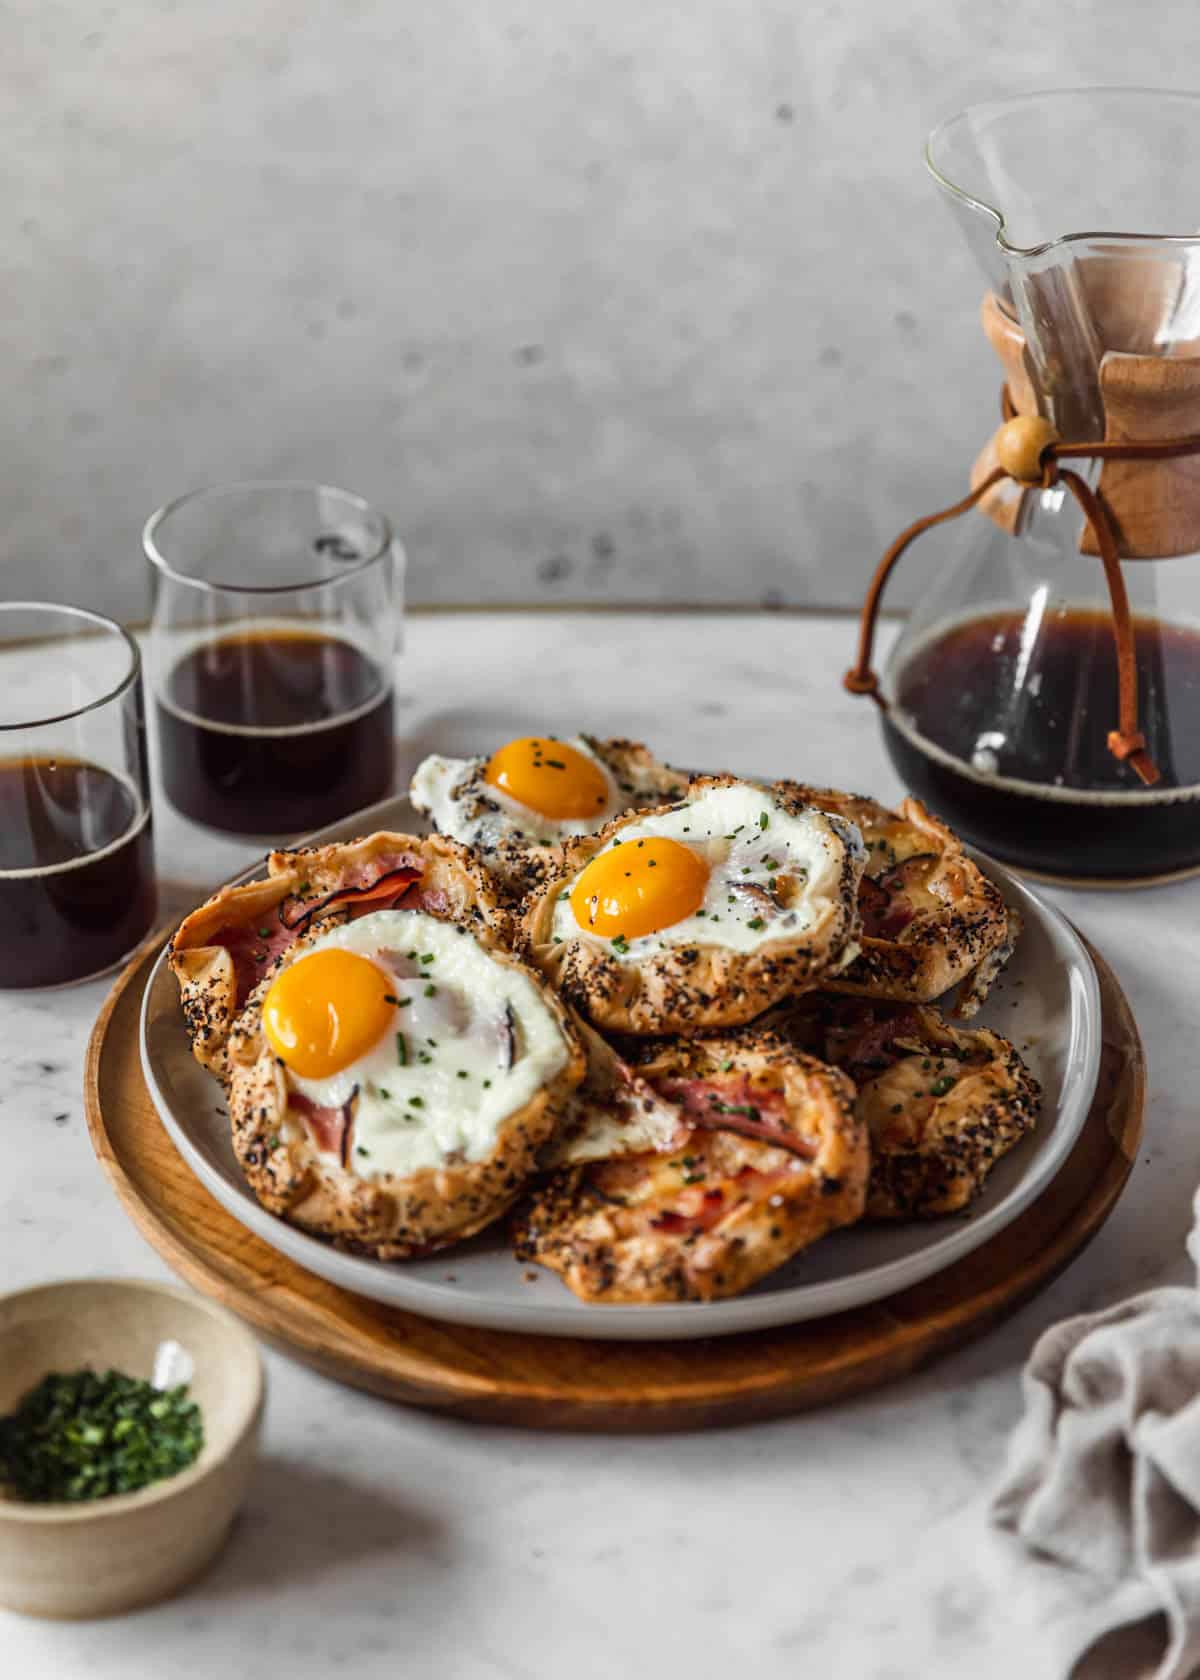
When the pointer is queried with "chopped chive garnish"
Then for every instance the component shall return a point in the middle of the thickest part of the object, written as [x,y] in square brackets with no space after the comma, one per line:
[401,1050]
[431,990]
[87,1435]
[764,820]
[428,957]
[756,922]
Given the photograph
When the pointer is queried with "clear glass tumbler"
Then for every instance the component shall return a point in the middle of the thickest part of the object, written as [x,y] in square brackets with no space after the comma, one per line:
[271,655]
[77,886]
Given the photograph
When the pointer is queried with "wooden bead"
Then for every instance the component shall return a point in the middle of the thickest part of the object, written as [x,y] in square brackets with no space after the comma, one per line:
[1019,444]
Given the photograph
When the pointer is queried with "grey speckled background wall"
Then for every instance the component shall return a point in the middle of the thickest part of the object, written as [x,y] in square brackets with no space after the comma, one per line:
[632,301]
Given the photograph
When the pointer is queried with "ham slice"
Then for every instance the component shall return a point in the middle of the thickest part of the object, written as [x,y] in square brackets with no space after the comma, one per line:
[387,882]
[383,890]
[734,1105]
[330,1127]
[871,1045]
[252,951]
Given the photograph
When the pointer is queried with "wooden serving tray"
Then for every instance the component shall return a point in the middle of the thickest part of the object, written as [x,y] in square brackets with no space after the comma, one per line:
[560,1382]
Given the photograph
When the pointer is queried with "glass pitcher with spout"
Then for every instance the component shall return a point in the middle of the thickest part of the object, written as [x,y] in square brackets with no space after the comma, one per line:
[1001,698]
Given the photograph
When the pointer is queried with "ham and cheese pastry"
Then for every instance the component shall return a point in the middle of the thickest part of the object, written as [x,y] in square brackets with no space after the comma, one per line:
[765,1157]
[941,1104]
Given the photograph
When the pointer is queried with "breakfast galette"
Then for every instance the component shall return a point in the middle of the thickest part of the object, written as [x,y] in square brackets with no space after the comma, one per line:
[941,1104]
[930,919]
[391,1082]
[768,1157]
[224,949]
[517,806]
[701,914]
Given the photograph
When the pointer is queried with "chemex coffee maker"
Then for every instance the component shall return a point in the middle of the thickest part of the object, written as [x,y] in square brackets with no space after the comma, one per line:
[1044,698]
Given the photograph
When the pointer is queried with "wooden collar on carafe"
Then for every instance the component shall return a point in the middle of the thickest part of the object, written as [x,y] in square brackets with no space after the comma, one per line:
[1027,452]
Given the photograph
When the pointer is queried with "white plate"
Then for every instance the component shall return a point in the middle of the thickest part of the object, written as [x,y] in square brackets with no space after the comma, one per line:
[1047,1002]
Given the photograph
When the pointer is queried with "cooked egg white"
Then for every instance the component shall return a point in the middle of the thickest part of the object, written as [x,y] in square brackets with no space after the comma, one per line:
[771,875]
[468,1041]
[464,804]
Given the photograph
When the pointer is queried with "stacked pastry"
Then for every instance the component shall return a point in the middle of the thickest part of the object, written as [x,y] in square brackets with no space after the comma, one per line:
[677,1027]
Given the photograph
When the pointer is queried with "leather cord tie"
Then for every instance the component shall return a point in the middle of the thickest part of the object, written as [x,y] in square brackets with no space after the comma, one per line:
[1029,451]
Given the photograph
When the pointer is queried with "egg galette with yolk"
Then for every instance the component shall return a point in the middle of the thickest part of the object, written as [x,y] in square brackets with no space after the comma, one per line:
[700,914]
[391,1085]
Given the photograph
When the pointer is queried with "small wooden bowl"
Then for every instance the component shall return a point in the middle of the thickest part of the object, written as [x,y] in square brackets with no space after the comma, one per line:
[107,1555]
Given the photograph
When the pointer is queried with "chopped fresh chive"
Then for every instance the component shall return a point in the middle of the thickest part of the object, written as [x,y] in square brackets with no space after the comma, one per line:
[756,922]
[428,957]
[87,1435]
[401,1050]
[941,1086]
[361,1151]
[487,1084]
[725,1066]
[388,997]
[416,1102]
[764,820]
[431,990]
[463,1074]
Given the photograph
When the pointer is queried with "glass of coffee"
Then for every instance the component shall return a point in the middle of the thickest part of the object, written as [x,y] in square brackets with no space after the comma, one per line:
[271,655]
[76,853]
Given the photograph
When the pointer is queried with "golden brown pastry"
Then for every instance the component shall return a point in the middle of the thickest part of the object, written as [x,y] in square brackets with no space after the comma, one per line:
[941,1104]
[769,1157]
[930,919]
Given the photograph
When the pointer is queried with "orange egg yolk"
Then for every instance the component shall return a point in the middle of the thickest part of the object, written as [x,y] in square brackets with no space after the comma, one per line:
[549,777]
[325,1010]
[639,887]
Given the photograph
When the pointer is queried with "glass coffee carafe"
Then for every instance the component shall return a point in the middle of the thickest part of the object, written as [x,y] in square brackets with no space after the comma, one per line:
[1001,693]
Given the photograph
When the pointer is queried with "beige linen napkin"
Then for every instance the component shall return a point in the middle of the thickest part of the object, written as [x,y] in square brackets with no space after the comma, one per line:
[1102,1488]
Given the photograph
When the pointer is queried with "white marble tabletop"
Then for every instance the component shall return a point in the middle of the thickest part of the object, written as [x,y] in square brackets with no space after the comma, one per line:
[380,1541]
